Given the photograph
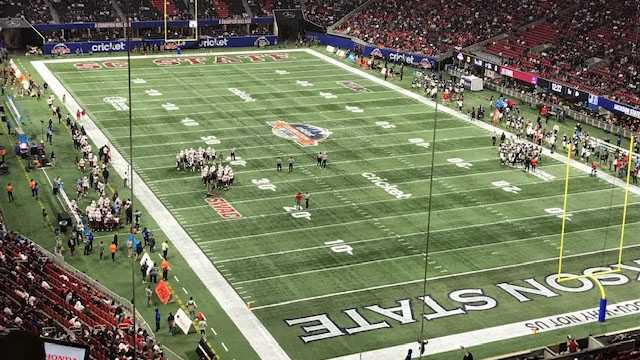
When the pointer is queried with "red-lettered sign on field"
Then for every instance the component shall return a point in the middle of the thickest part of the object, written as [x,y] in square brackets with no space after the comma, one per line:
[223,208]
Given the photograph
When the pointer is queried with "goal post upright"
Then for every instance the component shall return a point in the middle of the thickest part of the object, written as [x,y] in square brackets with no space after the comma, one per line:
[166,23]
[626,200]
[617,268]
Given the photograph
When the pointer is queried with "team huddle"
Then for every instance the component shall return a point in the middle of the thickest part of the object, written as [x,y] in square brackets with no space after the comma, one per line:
[515,153]
[215,175]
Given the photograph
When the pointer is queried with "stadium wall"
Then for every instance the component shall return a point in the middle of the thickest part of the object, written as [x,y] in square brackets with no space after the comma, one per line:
[367,49]
[64,48]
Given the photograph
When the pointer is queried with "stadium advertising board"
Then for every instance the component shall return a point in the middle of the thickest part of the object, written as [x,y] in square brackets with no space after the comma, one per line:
[617,107]
[520,75]
[367,50]
[63,48]
[563,90]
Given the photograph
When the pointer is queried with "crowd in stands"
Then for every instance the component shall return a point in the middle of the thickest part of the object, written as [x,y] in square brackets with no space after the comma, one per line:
[35,11]
[85,11]
[593,48]
[44,298]
[433,27]
[326,13]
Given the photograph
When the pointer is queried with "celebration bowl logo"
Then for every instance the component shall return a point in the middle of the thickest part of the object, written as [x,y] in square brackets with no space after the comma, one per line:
[60,49]
[301,134]
[377,53]
[262,42]
[425,63]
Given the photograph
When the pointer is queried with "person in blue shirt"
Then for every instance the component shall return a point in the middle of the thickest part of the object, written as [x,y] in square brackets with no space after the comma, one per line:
[157,319]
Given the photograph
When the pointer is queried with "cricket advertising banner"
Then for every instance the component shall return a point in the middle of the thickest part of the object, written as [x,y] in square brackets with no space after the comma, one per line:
[64,48]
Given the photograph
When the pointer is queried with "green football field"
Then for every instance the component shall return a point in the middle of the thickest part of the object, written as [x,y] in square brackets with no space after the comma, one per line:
[346,275]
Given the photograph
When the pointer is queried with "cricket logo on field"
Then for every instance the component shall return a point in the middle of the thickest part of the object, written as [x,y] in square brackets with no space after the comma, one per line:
[119,103]
[301,134]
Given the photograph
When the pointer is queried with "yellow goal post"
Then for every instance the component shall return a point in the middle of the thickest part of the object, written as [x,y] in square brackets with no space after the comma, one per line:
[560,276]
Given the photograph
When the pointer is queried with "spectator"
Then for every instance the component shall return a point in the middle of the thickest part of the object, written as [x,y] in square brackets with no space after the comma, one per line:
[164,265]
[157,316]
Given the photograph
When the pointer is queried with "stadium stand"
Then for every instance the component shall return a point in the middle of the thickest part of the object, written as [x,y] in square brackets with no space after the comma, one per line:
[35,11]
[587,48]
[434,27]
[84,11]
[39,296]
[327,13]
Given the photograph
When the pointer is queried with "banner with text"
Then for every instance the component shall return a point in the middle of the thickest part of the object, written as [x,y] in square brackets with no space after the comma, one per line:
[64,48]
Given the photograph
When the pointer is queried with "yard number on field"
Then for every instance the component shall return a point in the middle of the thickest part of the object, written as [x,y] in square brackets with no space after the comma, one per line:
[460,163]
[304,83]
[353,109]
[298,214]
[264,184]
[170,106]
[419,142]
[557,212]
[210,140]
[237,162]
[189,122]
[338,246]
[386,125]
[328,95]
[506,186]
[153,92]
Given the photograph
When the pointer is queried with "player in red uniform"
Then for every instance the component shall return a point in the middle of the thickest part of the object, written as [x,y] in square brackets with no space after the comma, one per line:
[299,199]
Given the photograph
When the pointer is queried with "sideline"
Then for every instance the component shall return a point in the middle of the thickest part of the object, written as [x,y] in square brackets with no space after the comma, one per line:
[249,325]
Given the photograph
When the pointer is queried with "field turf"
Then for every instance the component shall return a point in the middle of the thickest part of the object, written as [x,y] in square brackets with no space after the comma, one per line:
[362,242]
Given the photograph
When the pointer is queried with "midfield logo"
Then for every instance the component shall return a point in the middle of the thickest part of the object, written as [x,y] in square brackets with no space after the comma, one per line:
[301,134]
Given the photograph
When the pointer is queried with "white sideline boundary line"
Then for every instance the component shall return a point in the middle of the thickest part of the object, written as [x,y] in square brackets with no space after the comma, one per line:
[247,322]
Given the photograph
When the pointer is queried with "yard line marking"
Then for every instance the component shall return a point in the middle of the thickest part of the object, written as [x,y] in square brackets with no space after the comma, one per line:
[224,346]
[404,215]
[211,112]
[165,195]
[185,291]
[266,127]
[175,277]
[313,166]
[233,105]
[312,94]
[401,144]
[238,119]
[209,84]
[214,332]
[362,213]
[270,136]
[454,275]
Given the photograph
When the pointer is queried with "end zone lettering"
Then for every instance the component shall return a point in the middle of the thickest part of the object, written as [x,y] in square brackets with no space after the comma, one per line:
[223,208]
[460,302]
